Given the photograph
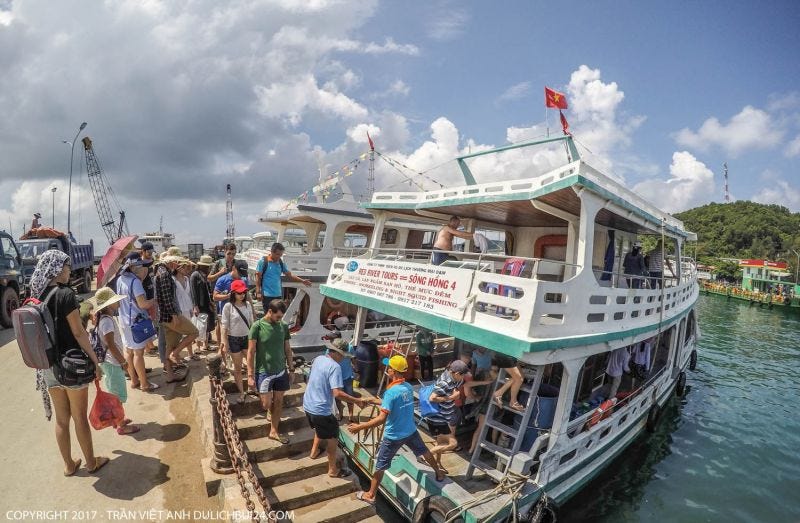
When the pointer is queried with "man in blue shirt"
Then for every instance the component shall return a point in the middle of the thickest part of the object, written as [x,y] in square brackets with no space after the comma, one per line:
[269,270]
[397,412]
[222,289]
[325,384]
[347,377]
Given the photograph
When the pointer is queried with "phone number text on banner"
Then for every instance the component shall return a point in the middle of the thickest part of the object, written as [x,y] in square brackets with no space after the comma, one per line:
[439,290]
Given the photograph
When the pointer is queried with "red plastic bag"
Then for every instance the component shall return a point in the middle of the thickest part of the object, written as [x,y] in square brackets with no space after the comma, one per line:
[106,410]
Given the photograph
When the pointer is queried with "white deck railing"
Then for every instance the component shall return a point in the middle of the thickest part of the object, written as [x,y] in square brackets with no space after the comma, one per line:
[547,299]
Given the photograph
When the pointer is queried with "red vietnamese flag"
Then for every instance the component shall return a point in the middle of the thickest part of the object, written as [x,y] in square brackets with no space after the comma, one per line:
[564,123]
[371,144]
[554,99]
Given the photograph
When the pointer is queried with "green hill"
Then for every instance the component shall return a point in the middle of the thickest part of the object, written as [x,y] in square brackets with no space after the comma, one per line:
[744,230]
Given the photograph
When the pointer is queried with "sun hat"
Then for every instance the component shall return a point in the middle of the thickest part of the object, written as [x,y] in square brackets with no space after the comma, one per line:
[396,362]
[340,346]
[37,215]
[238,286]
[459,367]
[174,251]
[171,258]
[104,297]
[206,261]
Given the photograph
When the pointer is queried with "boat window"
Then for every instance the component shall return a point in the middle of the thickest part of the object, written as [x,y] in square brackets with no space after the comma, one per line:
[591,377]
[427,240]
[389,237]
[662,353]
[689,326]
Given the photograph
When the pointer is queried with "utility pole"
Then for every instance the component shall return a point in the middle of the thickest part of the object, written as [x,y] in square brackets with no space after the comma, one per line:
[53,190]
[69,191]
[230,230]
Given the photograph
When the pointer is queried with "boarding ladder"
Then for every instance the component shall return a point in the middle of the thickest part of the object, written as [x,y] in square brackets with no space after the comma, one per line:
[500,466]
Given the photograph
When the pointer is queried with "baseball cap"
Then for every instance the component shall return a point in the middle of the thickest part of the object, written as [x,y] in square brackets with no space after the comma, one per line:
[238,286]
[396,362]
[637,244]
[459,367]
[241,266]
[147,246]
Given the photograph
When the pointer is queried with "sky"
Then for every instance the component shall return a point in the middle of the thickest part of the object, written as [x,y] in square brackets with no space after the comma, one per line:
[184,97]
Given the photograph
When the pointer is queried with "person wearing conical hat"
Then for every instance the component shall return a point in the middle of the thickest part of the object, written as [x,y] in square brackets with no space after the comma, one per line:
[106,306]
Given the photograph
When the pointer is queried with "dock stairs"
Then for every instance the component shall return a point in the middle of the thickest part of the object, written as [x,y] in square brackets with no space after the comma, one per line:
[291,480]
[506,459]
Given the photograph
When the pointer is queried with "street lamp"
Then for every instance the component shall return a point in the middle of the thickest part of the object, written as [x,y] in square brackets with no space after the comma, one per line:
[69,191]
[53,190]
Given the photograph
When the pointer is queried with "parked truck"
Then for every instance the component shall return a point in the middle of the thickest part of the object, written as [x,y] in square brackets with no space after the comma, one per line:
[11,278]
[36,242]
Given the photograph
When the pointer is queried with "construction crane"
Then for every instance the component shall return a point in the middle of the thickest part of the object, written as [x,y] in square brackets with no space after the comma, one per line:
[104,196]
[230,228]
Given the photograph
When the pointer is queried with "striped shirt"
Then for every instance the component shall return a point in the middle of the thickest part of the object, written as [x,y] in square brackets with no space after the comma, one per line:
[444,387]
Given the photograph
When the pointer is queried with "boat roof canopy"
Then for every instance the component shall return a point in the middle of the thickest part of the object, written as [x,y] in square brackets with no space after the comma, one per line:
[514,202]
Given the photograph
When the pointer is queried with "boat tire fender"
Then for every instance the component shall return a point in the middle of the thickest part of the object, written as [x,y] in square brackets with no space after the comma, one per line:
[652,418]
[680,386]
[434,505]
[693,360]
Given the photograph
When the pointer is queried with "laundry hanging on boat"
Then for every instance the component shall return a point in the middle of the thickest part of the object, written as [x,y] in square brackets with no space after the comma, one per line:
[618,362]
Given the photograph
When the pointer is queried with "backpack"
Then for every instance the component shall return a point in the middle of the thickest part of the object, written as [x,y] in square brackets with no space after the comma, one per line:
[266,266]
[97,341]
[426,408]
[34,329]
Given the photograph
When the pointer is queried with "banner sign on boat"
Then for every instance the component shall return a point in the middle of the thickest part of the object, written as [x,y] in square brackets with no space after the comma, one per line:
[435,289]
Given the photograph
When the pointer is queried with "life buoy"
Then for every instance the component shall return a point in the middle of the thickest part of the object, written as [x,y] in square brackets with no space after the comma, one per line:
[602,412]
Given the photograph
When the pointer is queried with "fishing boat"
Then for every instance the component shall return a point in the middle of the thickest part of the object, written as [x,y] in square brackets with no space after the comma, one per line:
[312,234]
[557,302]
[764,283]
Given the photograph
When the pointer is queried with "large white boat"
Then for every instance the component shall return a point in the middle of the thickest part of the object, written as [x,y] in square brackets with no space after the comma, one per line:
[161,240]
[558,303]
[313,233]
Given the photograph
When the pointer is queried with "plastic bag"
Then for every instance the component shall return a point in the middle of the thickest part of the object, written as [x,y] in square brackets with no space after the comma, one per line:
[106,410]
[201,322]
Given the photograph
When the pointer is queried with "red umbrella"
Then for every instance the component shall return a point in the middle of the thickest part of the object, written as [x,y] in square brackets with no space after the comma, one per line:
[113,259]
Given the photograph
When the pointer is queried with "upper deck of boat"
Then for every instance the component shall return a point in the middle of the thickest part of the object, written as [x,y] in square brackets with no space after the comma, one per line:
[515,303]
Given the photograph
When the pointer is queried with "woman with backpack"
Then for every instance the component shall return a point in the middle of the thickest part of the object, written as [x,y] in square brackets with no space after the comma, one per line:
[49,282]
[107,344]
[237,317]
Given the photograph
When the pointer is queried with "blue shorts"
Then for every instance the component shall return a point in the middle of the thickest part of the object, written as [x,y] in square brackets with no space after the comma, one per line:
[267,383]
[237,344]
[438,256]
[388,448]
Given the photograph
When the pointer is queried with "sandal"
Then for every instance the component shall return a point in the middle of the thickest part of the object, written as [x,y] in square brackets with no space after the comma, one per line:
[283,440]
[98,464]
[127,429]
[77,465]
[517,406]
[343,473]
[360,497]
[151,387]
[497,401]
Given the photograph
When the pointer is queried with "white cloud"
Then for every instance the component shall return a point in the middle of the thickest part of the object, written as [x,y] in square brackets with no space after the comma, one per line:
[750,129]
[399,87]
[793,148]
[446,20]
[776,190]
[292,100]
[515,92]
[691,183]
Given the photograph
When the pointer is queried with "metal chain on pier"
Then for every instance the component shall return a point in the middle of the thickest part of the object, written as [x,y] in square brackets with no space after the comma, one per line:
[239,459]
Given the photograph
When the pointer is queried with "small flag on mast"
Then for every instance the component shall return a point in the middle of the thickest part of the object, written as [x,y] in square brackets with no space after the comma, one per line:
[554,99]
[371,145]
[564,123]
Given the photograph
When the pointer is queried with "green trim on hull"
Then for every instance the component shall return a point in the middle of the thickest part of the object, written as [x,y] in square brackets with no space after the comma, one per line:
[494,340]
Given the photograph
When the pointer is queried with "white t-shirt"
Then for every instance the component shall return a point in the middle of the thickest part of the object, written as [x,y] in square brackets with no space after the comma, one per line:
[233,322]
[108,324]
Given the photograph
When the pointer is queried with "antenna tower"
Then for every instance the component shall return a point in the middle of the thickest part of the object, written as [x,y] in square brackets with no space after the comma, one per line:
[727,192]
[371,175]
[230,229]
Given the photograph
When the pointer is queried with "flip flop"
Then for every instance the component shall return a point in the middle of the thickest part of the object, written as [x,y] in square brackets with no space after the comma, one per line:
[98,464]
[497,401]
[77,463]
[360,497]
[343,473]
[126,421]
[283,440]
[127,429]
[152,387]
[519,407]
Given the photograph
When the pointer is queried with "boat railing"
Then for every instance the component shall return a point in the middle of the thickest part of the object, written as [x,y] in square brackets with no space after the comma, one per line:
[532,297]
